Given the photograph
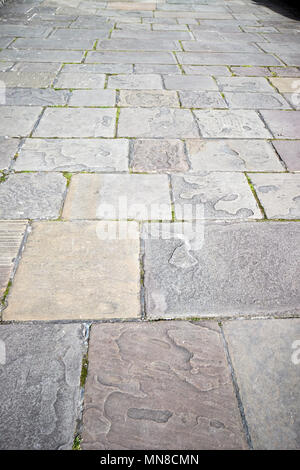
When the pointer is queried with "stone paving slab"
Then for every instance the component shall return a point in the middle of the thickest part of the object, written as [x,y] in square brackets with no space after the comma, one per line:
[132,57]
[35,97]
[289,152]
[213,46]
[54,43]
[244,84]
[8,149]
[148,98]
[256,101]
[283,124]
[40,55]
[40,386]
[139,197]
[202,99]
[186,82]
[86,34]
[135,82]
[268,379]
[80,80]
[127,44]
[158,155]
[229,269]
[87,277]
[150,390]
[24,79]
[18,121]
[206,58]
[93,98]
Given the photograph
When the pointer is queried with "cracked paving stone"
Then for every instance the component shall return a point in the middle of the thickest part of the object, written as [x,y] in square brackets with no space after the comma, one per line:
[256,101]
[73,155]
[283,124]
[32,196]
[93,98]
[155,156]
[140,197]
[279,194]
[223,269]
[131,57]
[8,149]
[231,124]
[35,97]
[80,80]
[11,236]
[77,122]
[40,386]
[268,379]
[88,275]
[18,121]
[204,99]
[160,385]
[189,82]
[232,155]
[289,151]
[217,195]
[26,79]
[135,82]
[148,98]
[157,122]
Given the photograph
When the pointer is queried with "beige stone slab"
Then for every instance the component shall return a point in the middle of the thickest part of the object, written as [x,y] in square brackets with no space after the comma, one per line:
[11,235]
[286,85]
[68,271]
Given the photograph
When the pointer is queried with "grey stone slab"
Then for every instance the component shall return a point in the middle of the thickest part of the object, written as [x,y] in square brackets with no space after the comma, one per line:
[148,98]
[73,155]
[189,82]
[252,71]
[232,155]
[290,59]
[239,124]
[268,379]
[156,68]
[156,122]
[191,14]
[4,42]
[226,26]
[70,34]
[5,66]
[24,31]
[77,122]
[121,197]
[40,56]
[36,67]
[244,84]
[8,149]
[115,57]
[215,46]
[152,35]
[224,269]
[279,48]
[226,37]
[54,43]
[279,194]
[157,155]
[217,70]
[32,196]
[127,44]
[214,58]
[80,80]
[169,27]
[256,101]
[90,22]
[286,71]
[98,68]
[93,98]
[220,195]
[88,275]
[40,386]
[18,121]
[289,152]
[11,236]
[35,97]
[181,407]
[135,82]
[27,79]
[202,99]
[283,124]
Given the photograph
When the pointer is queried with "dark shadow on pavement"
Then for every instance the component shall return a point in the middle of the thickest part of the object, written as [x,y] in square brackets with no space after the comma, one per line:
[288,8]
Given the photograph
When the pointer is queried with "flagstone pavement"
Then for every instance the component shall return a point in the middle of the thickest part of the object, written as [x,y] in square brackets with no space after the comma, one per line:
[150,225]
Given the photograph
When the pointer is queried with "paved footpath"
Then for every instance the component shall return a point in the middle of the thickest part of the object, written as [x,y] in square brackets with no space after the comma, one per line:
[150,222]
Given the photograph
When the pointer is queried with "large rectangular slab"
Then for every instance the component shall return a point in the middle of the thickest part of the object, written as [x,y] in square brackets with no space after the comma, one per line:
[8,149]
[232,269]
[40,386]
[283,124]
[131,57]
[40,55]
[205,58]
[35,97]
[124,44]
[289,151]
[87,276]
[18,121]
[11,236]
[27,79]
[159,385]
[268,379]
[135,82]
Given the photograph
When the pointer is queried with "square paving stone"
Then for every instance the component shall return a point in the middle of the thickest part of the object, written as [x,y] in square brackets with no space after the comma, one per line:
[80,80]
[222,195]
[256,101]
[135,82]
[73,155]
[80,122]
[32,196]
[162,385]
[227,269]
[148,98]
[239,124]
[8,149]
[232,155]
[268,379]
[244,84]
[132,44]
[156,155]
[279,194]
[118,197]
[289,152]
[93,98]
[131,57]
[157,122]
[189,82]
[11,236]
[27,79]
[87,276]
[18,121]
[40,386]
[35,97]
[283,124]
[202,99]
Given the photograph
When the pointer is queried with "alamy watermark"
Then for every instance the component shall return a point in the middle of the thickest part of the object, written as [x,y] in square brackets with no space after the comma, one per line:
[296,354]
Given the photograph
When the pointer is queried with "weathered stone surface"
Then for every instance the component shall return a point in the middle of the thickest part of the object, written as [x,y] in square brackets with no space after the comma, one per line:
[32,196]
[252,71]
[93,98]
[232,155]
[286,85]
[148,98]
[97,68]
[279,194]
[157,122]
[73,34]
[256,101]
[11,236]
[216,46]
[27,79]
[35,97]
[217,70]
[156,155]
[24,31]
[291,59]
[219,36]
[87,277]
[226,58]
[222,196]
[76,43]
[8,149]
[189,82]
[132,44]
[135,82]
[40,56]
[156,68]
[268,379]
[202,99]
[156,396]
[229,269]
[73,155]
[80,80]
[118,197]
[152,35]
[245,84]
[5,66]
[283,124]
[18,121]
[40,386]
[289,151]
[240,124]
[286,71]
[116,57]
[38,67]
[81,122]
